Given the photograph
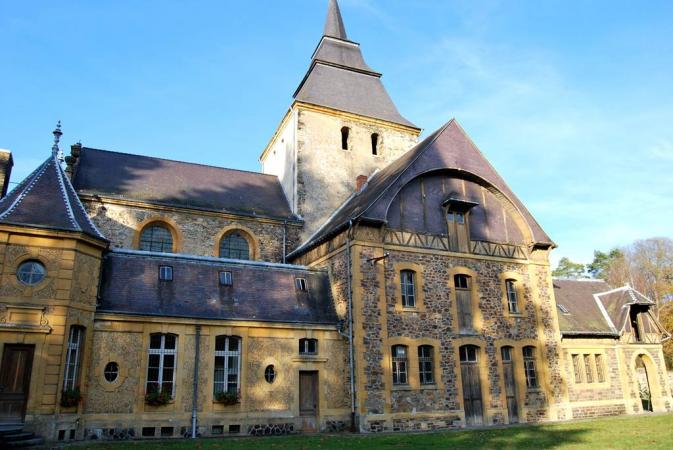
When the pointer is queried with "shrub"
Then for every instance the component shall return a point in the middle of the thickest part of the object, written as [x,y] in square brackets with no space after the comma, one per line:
[157,398]
[226,398]
[70,397]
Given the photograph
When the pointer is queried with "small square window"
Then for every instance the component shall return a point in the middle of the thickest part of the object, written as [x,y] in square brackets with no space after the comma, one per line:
[226,279]
[300,283]
[165,273]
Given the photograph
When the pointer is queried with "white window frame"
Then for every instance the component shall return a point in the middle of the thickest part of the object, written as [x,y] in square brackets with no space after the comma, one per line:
[73,358]
[162,352]
[512,296]
[226,353]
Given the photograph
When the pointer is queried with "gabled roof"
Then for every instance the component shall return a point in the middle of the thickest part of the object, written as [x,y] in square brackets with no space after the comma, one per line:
[162,181]
[339,78]
[448,148]
[260,292]
[617,301]
[46,199]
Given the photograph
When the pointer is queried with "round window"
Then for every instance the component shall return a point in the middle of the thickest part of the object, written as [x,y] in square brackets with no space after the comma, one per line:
[111,372]
[269,374]
[31,272]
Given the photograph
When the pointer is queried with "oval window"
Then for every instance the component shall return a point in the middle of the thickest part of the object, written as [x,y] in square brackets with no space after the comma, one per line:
[31,272]
[111,372]
[269,374]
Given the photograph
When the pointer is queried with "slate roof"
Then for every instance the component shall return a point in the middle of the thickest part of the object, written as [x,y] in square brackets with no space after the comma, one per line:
[448,148]
[163,181]
[46,199]
[585,315]
[260,292]
[616,302]
[339,77]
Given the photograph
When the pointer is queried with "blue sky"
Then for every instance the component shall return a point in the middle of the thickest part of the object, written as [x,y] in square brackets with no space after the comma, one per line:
[571,101]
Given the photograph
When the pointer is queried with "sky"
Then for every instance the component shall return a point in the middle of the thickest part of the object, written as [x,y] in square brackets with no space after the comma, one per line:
[572,101]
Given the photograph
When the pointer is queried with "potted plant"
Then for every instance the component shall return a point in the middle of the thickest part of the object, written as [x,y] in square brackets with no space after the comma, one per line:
[645,397]
[70,397]
[157,398]
[226,397]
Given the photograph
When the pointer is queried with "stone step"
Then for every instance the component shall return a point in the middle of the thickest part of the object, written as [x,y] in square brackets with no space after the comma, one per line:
[10,428]
[25,443]
[22,436]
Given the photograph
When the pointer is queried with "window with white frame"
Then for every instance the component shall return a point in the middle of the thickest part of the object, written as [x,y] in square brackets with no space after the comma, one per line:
[73,357]
[400,361]
[408,287]
[161,363]
[227,364]
[308,346]
[512,296]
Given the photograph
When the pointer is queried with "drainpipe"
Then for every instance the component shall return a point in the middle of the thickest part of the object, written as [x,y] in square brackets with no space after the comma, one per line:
[284,240]
[350,324]
[195,396]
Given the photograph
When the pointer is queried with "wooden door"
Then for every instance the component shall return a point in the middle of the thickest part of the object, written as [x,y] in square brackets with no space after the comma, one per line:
[469,372]
[510,385]
[308,393]
[17,362]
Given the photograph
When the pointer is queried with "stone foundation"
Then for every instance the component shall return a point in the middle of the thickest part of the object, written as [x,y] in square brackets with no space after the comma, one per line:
[272,429]
[586,412]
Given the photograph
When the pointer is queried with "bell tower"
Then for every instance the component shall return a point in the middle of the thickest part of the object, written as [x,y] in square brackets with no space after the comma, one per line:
[342,125]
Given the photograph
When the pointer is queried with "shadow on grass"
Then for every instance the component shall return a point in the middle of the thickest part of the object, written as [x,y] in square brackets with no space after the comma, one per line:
[524,437]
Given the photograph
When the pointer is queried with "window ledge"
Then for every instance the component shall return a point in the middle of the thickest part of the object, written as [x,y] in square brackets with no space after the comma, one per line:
[430,387]
[402,387]
[309,358]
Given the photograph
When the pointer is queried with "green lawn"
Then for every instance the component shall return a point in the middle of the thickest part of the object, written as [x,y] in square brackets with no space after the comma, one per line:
[651,432]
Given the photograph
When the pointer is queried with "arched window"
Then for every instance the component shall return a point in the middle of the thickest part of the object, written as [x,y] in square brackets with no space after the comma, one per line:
[463,285]
[345,132]
[529,367]
[408,288]
[161,363]
[73,358]
[512,296]
[227,364]
[308,346]
[234,246]
[375,144]
[426,364]
[156,238]
[400,360]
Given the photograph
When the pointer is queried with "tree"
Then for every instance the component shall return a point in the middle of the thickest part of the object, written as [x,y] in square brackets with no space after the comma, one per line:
[568,269]
[613,267]
[666,319]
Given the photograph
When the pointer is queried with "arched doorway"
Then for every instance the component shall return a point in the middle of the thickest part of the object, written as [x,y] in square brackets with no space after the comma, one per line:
[647,383]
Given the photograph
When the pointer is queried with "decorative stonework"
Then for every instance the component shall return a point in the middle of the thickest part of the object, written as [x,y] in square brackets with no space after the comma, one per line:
[273,429]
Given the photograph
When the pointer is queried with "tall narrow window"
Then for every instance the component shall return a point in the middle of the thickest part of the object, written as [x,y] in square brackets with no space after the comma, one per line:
[408,288]
[529,367]
[577,368]
[587,369]
[156,238]
[464,302]
[345,132]
[512,296]
[600,368]
[426,364]
[375,144]
[227,364]
[234,246]
[399,364]
[73,357]
[161,363]
[308,346]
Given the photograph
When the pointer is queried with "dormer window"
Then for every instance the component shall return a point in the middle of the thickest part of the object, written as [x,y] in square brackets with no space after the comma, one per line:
[300,284]
[226,279]
[165,273]
[345,134]
[563,309]
[375,144]
[457,211]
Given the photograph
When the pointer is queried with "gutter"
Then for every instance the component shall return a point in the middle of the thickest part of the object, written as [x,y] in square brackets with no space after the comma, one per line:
[350,324]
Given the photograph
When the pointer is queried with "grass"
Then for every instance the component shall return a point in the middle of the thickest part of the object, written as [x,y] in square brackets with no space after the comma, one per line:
[651,432]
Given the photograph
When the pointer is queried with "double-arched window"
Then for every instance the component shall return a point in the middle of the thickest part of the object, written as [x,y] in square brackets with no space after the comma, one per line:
[234,245]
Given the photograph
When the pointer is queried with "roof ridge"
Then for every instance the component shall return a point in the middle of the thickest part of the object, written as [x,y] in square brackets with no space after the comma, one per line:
[34,177]
[606,316]
[178,161]
[68,186]
[66,199]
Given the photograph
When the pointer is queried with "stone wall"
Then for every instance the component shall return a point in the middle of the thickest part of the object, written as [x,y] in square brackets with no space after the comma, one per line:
[325,173]
[198,233]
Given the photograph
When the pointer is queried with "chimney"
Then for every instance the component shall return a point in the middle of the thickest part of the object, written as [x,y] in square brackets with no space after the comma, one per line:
[72,158]
[360,182]
[6,164]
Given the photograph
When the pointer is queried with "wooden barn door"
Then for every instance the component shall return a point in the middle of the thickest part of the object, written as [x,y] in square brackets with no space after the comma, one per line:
[17,362]
[308,400]
[469,372]
[510,385]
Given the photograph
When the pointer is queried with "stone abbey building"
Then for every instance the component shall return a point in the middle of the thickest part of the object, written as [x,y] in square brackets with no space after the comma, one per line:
[364,280]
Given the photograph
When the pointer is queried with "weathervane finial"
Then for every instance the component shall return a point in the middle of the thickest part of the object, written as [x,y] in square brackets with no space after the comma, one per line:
[55,150]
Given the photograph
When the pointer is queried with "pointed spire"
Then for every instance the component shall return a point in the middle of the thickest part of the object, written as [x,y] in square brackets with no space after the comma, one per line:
[57,138]
[334,24]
